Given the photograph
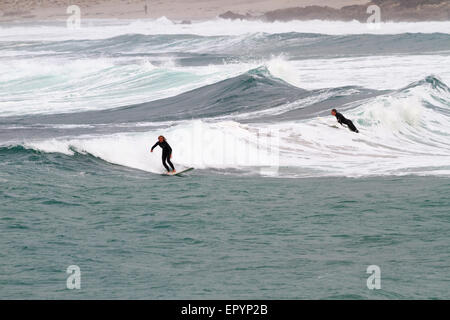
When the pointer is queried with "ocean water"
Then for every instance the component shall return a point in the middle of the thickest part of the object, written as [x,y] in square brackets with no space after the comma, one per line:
[282,204]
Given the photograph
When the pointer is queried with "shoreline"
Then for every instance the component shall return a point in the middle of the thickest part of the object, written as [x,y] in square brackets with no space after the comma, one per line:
[182,10]
[185,11]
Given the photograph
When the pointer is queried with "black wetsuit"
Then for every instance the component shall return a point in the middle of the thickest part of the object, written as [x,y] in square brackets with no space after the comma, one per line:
[166,153]
[342,120]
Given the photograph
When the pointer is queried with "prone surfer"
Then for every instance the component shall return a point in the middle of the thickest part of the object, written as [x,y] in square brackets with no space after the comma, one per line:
[342,120]
[166,152]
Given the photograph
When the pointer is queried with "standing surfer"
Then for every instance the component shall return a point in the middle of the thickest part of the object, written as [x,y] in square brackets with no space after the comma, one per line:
[342,120]
[166,153]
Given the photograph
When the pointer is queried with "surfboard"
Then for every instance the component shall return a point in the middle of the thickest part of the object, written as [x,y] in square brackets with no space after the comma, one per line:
[332,124]
[178,173]
[329,123]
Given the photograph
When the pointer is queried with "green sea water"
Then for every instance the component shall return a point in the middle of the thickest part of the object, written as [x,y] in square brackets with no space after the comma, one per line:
[136,235]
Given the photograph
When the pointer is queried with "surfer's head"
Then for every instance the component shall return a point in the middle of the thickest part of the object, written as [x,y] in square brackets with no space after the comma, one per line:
[333,112]
[161,139]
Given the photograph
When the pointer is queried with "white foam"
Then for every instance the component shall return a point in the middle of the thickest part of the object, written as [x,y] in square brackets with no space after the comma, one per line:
[374,72]
[55,85]
[195,143]
[280,67]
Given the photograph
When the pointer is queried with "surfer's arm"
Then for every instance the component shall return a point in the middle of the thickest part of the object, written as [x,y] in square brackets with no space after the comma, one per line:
[154,146]
[340,119]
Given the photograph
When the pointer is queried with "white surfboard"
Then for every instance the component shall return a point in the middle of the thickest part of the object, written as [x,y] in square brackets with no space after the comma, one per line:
[329,123]
[333,124]
[179,172]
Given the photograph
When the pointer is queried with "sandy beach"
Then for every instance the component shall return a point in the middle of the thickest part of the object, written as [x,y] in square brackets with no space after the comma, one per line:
[139,9]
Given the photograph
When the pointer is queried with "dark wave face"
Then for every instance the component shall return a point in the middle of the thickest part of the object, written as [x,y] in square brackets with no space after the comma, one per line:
[251,93]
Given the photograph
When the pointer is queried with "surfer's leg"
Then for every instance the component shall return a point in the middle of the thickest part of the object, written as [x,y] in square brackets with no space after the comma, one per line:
[164,158]
[170,162]
[351,126]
